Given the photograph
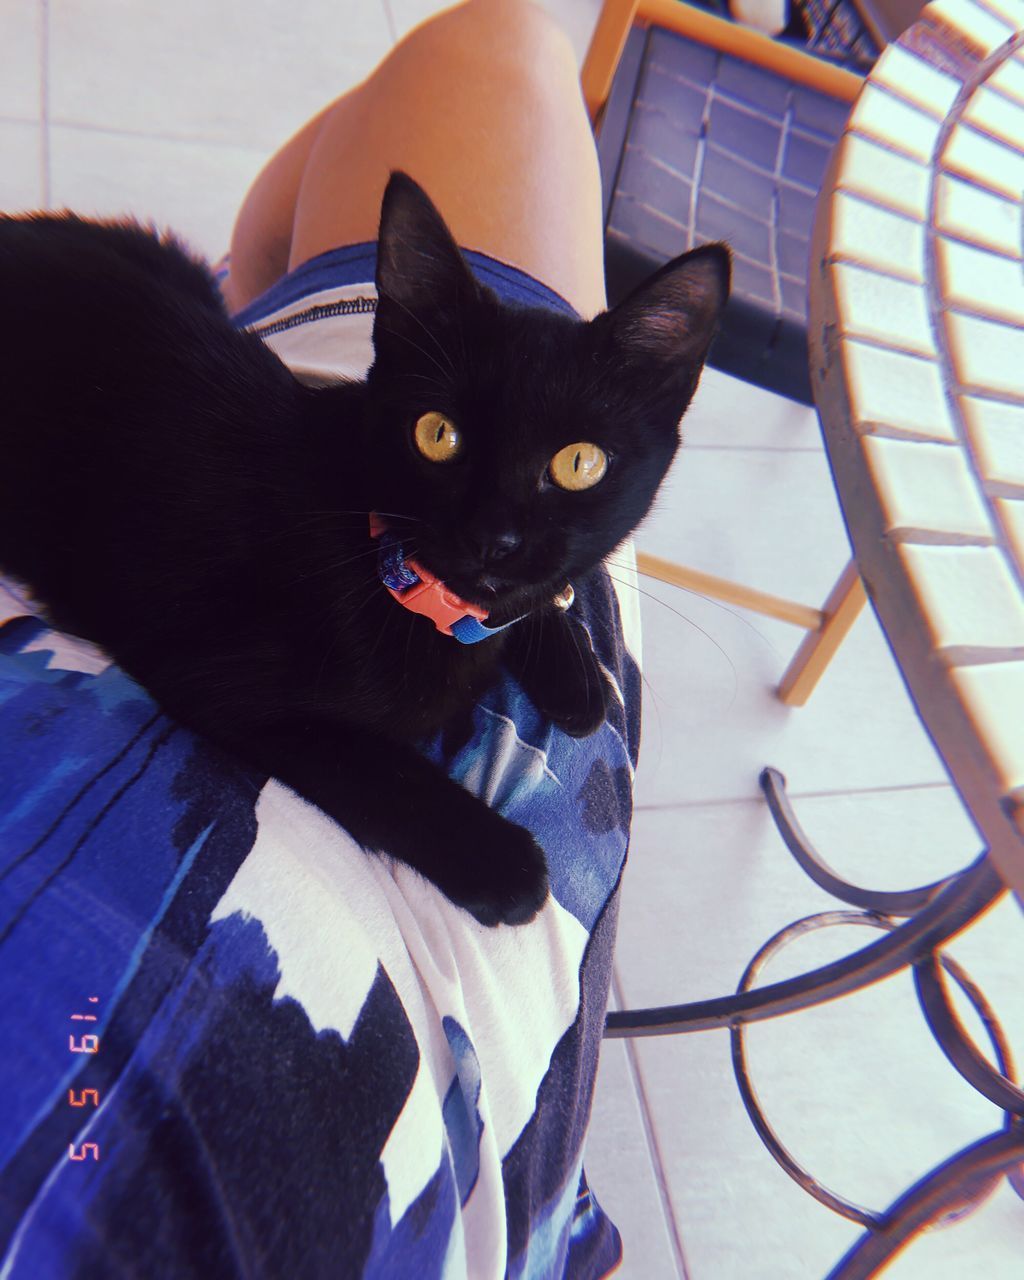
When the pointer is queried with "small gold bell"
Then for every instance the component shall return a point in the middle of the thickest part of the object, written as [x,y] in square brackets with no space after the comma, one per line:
[564,598]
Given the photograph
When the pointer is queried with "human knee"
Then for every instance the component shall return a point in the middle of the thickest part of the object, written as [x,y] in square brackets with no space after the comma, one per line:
[526,16]
[528,28]
[500,33]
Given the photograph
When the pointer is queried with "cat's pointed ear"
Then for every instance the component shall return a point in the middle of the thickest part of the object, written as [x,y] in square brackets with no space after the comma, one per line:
[419,265]
[665,326]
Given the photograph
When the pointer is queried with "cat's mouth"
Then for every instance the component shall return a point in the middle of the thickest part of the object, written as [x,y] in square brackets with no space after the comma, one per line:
[483,589]
[508,601]
[475,586]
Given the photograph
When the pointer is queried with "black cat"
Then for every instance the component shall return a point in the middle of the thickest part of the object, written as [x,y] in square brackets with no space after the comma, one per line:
[170,491]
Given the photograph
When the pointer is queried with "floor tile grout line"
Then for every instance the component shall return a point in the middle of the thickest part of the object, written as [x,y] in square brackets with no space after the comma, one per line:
[816,449]
[44,105]
[651,1139]
[751,448]
[824,794]
[157,135]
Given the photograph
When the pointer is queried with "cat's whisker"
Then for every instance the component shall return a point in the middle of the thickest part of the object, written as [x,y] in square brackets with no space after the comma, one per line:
[422,350]
[579,651]
[460,330]
[335,512]
[348,511]
[411,631]
[696,627]
[334,625]
[333,567]
[310,528]
[424,377]
[339,633]
[432,336]
[384,625]
[700,596]
[531,635]
[323,525]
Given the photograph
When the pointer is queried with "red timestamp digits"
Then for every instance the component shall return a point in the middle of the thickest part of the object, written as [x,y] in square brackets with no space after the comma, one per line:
[87,1043]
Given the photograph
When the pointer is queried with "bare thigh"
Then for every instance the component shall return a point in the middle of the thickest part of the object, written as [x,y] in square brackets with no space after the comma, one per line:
[482,106]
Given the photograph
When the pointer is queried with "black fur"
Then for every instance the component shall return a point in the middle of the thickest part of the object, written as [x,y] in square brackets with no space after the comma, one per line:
[171,492]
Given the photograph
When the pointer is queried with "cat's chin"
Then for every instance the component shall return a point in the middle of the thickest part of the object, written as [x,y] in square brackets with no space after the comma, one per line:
[503,598]
[498,596]
[484,591]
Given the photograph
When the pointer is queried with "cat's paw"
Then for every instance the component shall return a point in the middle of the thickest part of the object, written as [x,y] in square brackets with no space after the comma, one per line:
[579,708]
[456,733]
[562,676]
[587,716]
[500,879]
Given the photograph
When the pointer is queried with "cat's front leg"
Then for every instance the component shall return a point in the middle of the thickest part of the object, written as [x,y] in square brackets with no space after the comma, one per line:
[391,798]
[551,656]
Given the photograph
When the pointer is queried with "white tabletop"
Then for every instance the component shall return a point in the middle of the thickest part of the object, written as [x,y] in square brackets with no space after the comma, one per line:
[917,354]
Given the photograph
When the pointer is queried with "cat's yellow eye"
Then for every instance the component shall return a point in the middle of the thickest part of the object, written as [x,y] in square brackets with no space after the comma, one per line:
[437,437]
[578,466]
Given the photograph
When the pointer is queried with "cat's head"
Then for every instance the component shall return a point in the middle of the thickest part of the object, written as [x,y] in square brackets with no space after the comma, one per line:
[525,444]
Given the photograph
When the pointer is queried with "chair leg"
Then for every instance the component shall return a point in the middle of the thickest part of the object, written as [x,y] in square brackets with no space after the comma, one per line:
[840,613]
[829,625]
[606,45]
[826,626]
[707,584]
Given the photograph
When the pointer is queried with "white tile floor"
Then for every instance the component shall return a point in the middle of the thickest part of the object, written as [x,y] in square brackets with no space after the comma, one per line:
[168,112]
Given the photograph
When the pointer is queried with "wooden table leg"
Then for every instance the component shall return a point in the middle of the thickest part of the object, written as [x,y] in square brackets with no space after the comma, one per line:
[841,610]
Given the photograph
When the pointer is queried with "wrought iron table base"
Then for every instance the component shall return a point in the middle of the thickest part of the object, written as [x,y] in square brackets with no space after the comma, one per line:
[935,914]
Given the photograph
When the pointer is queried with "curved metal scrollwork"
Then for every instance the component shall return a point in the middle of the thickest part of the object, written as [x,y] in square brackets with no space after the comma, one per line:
[930,1199]
[782,1156]
[937,912]
[901,902]
[953,907]
[997,1086]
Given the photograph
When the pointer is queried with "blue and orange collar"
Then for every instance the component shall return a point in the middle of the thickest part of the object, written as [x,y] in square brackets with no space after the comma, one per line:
[418,590]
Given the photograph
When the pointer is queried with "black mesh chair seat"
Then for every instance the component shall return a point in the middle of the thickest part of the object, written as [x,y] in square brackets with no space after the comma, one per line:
[698,145]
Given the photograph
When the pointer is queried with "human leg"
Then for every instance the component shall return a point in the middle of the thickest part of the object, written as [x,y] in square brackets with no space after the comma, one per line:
[481,104]
[261,241]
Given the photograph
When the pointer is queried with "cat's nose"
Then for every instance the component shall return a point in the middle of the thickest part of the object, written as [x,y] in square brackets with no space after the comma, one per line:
[503,544]
[498,545]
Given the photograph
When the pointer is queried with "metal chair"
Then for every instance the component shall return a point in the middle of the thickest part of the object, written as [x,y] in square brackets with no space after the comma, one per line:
[707,130]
